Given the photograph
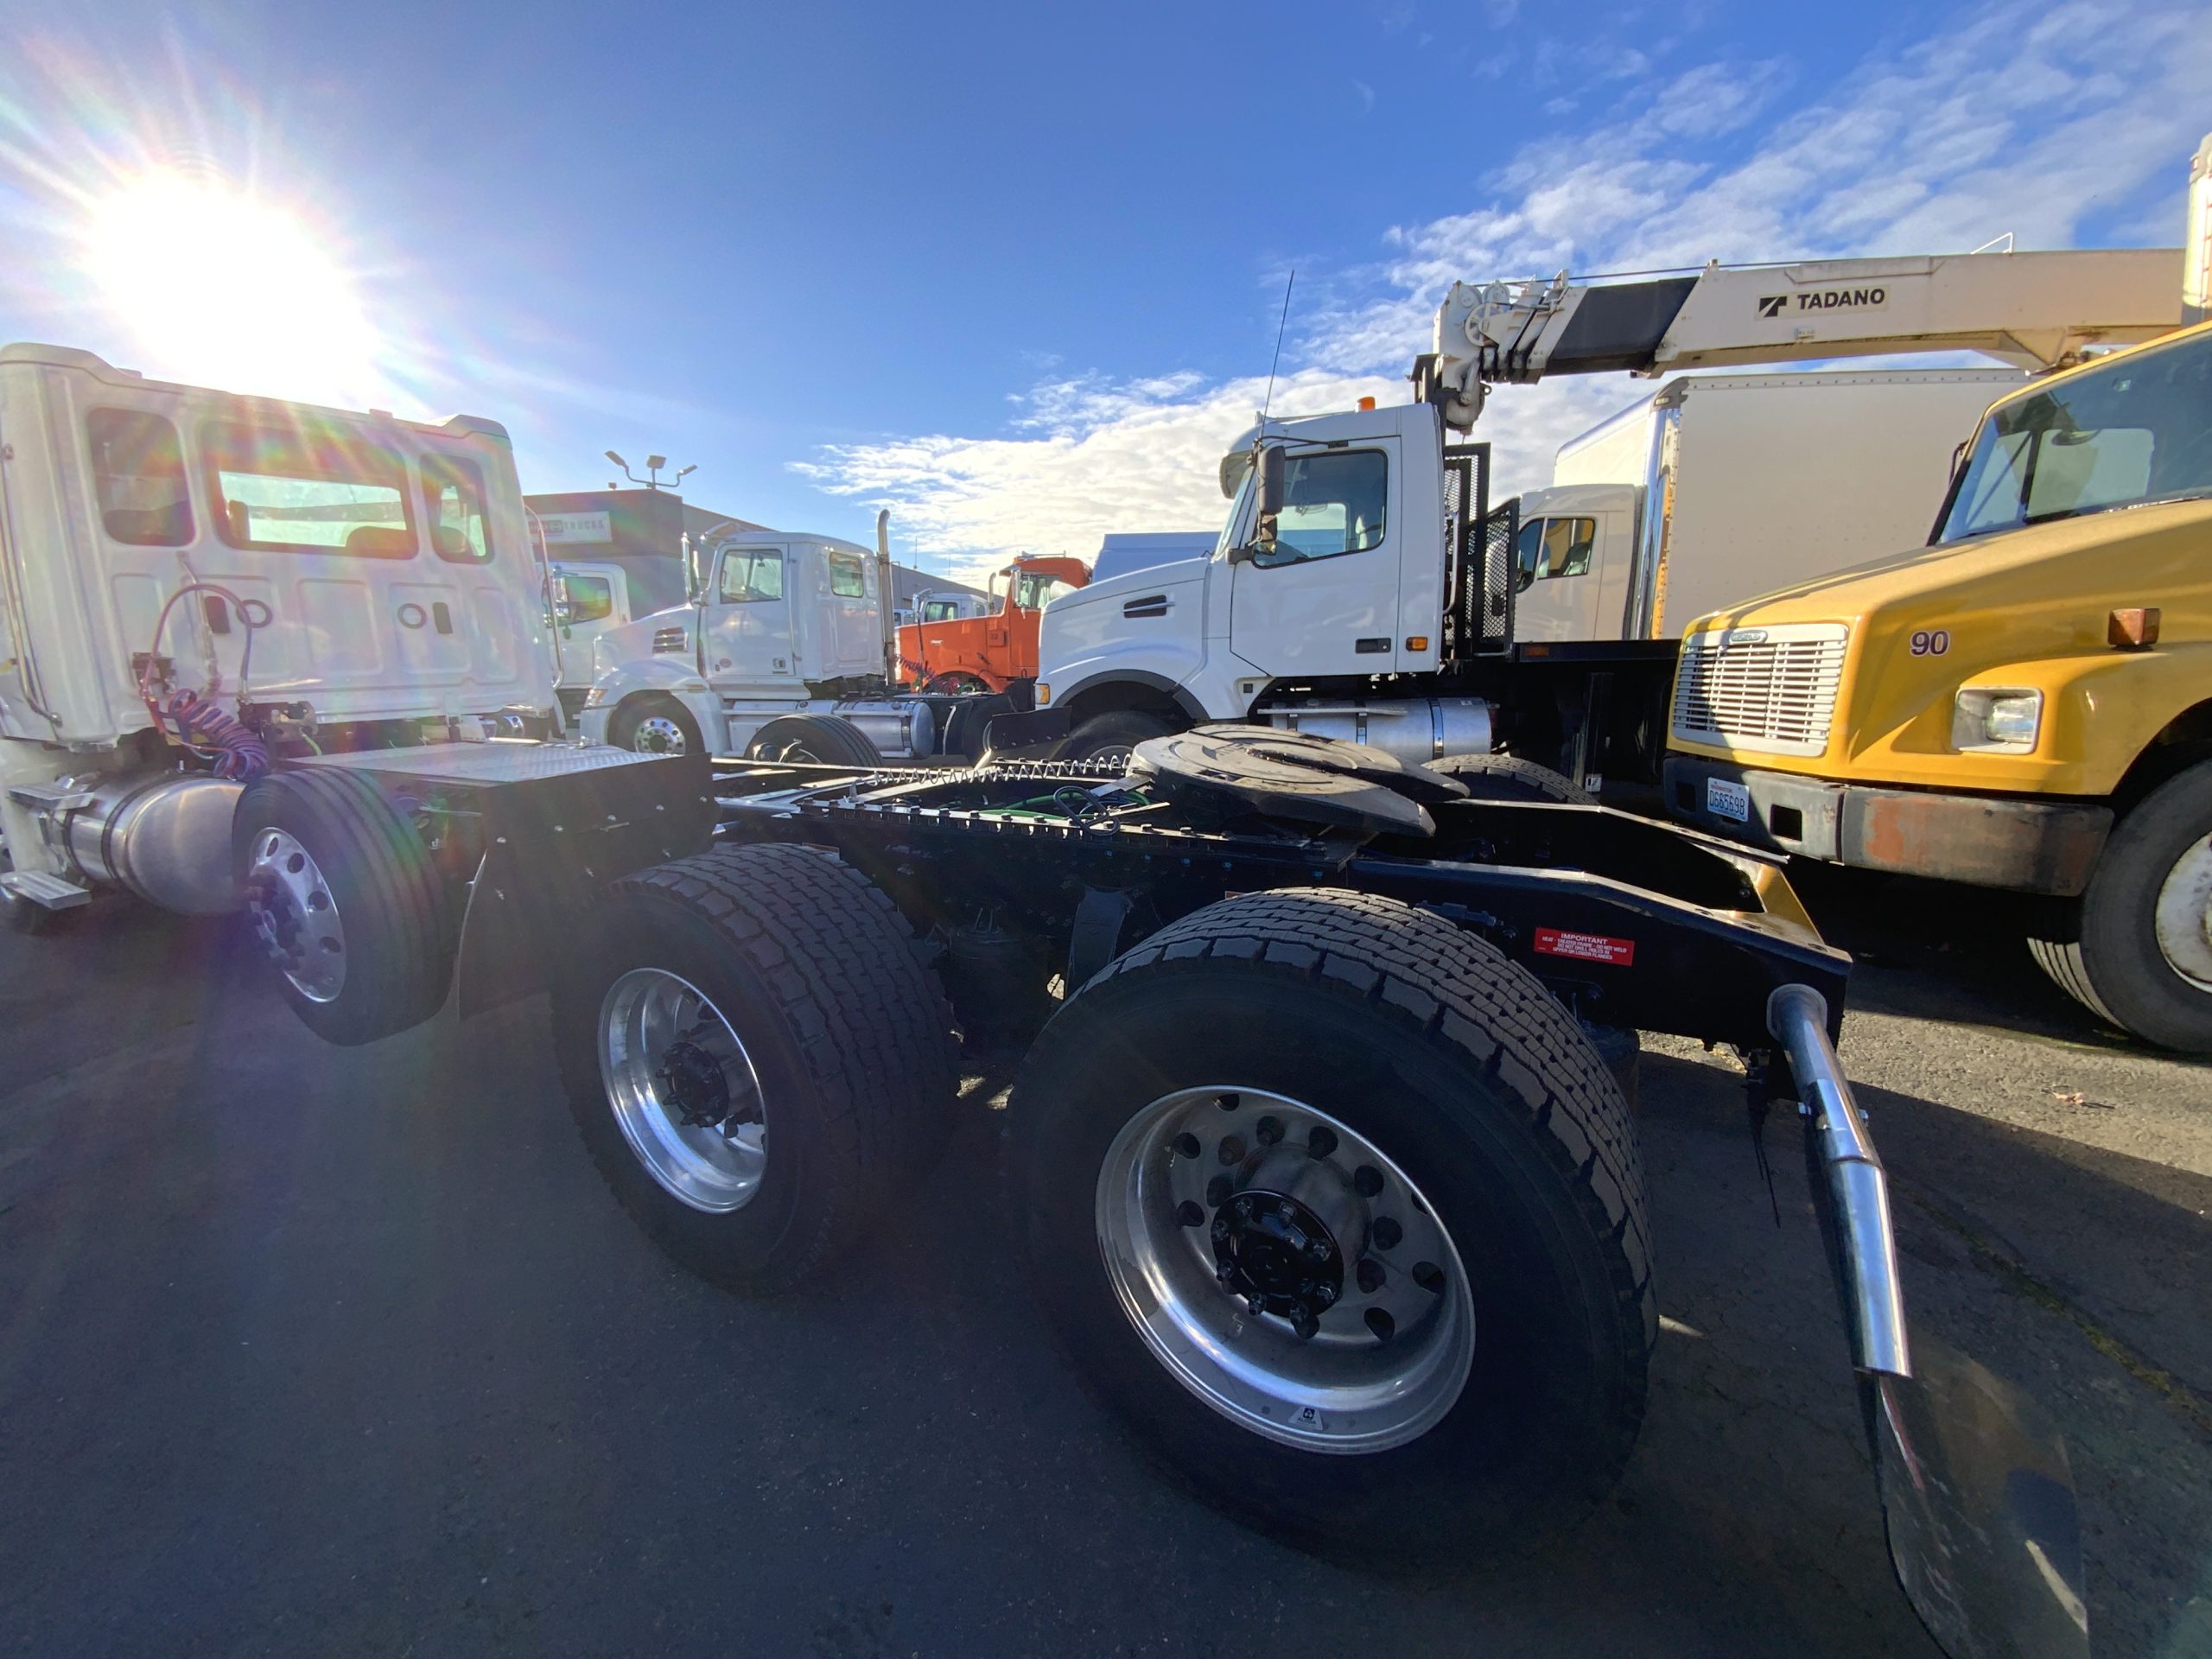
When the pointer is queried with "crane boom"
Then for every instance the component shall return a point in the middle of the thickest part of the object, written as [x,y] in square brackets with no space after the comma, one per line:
[2038,310]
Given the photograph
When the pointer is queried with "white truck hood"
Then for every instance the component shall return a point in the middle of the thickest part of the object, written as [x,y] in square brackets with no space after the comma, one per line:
[671,632]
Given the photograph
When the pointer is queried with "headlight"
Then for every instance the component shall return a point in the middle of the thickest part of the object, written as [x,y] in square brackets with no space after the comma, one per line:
[593,697]
[1996,718]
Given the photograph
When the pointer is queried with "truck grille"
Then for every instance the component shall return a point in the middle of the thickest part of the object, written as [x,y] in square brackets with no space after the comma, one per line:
[1771,690]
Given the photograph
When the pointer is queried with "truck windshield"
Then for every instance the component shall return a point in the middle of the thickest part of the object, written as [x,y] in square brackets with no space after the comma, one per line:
[2131,432]
[1035,592]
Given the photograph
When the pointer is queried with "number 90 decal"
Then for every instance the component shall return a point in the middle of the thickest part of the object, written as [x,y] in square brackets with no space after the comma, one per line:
[1931,642]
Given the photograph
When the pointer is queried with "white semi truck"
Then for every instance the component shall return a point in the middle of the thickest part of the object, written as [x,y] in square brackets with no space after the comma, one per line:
[1717,487]
[590,598]
[1363,587]
[265,654]
[784,651]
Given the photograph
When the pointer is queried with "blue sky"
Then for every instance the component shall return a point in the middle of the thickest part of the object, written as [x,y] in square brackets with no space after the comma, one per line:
[1014,271]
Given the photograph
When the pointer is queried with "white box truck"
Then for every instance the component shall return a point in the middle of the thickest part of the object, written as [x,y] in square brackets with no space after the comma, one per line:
[1717,488]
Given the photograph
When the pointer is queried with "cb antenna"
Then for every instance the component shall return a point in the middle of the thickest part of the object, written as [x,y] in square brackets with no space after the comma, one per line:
[1269,403]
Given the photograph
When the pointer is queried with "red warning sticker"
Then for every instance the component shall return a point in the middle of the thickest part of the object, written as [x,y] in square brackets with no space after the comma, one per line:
[1585,947]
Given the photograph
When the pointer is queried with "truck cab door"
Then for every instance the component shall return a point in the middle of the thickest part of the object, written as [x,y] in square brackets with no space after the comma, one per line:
[748,623]
[1561,574]
[1323,599]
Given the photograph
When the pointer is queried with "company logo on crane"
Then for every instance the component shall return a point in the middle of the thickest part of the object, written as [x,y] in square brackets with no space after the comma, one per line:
[1824,299]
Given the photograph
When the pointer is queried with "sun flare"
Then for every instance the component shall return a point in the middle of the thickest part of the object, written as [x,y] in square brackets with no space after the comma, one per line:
[222,288]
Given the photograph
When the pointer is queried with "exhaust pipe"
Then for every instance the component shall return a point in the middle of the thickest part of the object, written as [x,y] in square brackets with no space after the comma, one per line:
[886,598]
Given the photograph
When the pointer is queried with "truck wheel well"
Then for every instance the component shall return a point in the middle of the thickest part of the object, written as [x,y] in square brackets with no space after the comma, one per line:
[2184,740]
[1116,696]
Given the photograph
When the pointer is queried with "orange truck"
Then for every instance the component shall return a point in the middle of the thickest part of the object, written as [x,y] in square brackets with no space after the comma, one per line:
[989,653]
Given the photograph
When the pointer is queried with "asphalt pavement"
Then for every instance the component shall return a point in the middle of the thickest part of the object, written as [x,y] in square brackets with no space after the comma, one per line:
[349,1351]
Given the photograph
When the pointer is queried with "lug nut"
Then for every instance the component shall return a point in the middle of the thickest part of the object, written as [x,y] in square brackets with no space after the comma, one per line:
[1186,1144]
[1190,1214]
[1217,1191]
[1386,1233]
[1428,1276]
[1319,1249]
[1322,1143]
[1381,1324]
[1244,1209]
[1220,1228]
[1370,1275]
[1367,1180]
[1257,1303]
[1269,1131]
[1324,1294]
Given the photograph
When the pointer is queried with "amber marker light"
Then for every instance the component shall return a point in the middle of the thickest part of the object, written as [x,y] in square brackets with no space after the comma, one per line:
[2133,630]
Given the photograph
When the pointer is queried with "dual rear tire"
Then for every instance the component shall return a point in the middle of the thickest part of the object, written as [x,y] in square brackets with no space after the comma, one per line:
[1354,1154]
[343,899]
[755,1056]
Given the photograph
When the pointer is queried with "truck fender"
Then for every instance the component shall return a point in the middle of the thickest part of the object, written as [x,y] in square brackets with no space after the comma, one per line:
[1129,688]
[664,678]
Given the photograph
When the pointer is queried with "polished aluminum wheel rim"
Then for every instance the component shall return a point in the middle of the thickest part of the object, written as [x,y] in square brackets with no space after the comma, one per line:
[294,916]
[2183,916]
[1344,1388]
[712,1167]
[658,735]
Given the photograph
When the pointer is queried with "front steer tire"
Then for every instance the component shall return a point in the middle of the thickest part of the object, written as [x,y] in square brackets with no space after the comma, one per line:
[394,936]
[2106,950]
[849,1033]
[1461,1069]
[1111,738]
[655,723]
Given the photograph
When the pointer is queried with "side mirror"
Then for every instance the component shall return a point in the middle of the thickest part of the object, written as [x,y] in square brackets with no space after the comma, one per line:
[1271,481]
[1525,581]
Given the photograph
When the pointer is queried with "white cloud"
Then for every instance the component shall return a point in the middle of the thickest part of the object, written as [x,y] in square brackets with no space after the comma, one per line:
[1088,456]
[2002,123]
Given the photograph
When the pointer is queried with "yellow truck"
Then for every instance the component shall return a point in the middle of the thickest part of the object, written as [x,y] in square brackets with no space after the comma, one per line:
[2025,703]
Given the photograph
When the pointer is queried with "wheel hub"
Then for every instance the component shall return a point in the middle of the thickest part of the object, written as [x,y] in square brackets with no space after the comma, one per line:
[1284,1269]
[683,1090]
[2182,917]
[1279,1256]
[294,916]
[658,735]
[696,1084]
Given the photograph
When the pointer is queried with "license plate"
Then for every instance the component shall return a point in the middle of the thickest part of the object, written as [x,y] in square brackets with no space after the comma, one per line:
[1726,800]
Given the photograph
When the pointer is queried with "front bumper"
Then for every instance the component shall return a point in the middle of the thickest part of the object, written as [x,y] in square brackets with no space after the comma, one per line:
[2046,847]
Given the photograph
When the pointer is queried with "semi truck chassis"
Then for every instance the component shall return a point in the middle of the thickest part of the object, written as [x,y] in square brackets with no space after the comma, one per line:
[1320,1166]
